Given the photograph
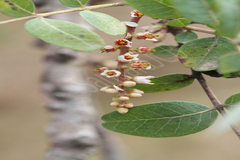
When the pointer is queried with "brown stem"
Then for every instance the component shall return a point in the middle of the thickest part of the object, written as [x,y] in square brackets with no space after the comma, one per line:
[206,88]
[130,30]
[216,103]
[196,29]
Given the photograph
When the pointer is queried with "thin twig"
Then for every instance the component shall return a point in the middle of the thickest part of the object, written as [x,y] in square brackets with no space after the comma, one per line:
[216,103]
[206,88]
[196,29]
[65,11]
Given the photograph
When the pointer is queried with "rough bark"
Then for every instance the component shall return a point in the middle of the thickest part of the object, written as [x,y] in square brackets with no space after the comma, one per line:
[74,131]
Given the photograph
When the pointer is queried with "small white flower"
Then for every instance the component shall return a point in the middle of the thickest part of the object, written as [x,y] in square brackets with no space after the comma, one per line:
[127,57]
[143,79]
[122,42]
[118,88]
[111,73]
[130,24]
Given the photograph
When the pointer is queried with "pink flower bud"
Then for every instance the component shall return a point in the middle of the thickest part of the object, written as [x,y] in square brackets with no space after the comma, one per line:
[108,48]
[122,110]
[111,91]
[103,89]
[114,104]
[143,79]
[129,83]
[135,91]
[115,99]
[121,106]
[128,105]
[135,95]
[124,98]
[136,13]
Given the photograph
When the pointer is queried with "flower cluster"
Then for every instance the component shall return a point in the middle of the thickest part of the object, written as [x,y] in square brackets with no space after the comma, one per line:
[128,59]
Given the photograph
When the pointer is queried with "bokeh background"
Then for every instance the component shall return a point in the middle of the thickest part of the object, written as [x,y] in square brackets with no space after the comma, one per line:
[23,117]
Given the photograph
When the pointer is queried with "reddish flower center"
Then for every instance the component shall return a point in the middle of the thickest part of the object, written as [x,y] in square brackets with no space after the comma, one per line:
[128,57]
[111,73]
[121,42]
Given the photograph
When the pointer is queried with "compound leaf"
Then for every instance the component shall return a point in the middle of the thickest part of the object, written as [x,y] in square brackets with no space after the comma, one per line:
[165,51]
[104,22]
[185,37]
[65,34]
[202,54]
[17,8]
[155,8]
[163,119]
[73,3]
[165,83]
[179,22]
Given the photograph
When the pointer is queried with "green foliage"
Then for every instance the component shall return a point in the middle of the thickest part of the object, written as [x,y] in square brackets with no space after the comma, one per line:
[234,99]
[225,15]
[185,37]
[166,83]
[197,10]
[229,17]
[17,8]
[179,22]
[73,3]
[212,26]
[104,22]
[65,34]
[165,51]
[163,119]
[229,63]
[155,8]
[202,54]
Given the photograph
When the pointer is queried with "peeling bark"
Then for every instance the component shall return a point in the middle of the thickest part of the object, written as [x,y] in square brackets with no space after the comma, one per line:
[74,131]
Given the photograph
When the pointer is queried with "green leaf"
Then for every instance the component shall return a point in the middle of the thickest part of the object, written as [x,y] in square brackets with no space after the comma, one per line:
[229,63]
[164,119]
[179,22]
[212,26]
[234,99]
[73,3]
[185,37]
[202,54]
[65,34]
[155,8]
[165,83]
[17,8]
[229,17]
[104,22]
[165,51]
[202,11]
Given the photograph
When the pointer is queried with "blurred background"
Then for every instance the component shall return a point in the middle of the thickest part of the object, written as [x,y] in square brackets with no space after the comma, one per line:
[23,117]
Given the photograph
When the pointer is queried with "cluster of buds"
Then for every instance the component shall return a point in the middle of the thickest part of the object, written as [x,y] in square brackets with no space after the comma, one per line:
[128,59]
